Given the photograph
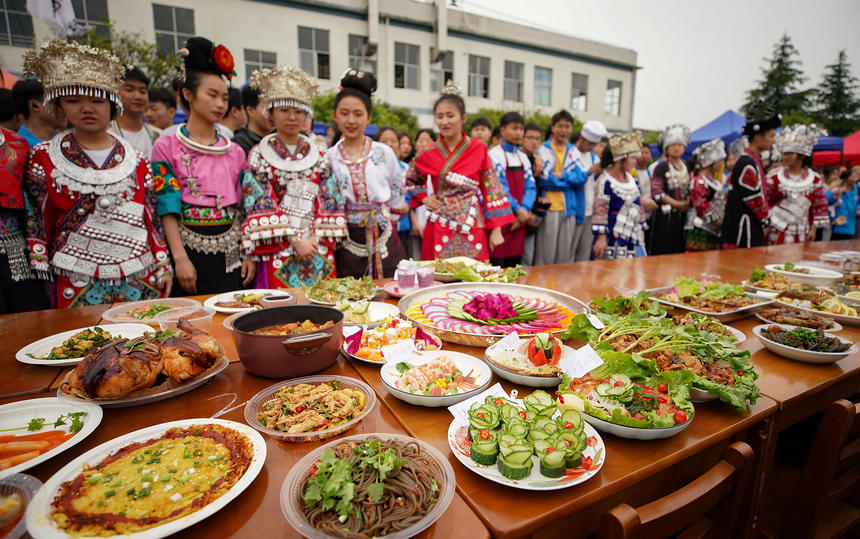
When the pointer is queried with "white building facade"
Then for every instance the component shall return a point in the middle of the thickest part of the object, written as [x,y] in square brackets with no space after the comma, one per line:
[412,47]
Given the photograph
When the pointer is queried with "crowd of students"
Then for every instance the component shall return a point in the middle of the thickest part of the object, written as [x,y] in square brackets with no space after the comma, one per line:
[104,198]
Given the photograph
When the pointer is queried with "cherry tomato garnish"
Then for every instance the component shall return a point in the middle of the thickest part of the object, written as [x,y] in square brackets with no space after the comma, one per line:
[639,416]
[300,408]
[740,373]
[680,417]
[662,388]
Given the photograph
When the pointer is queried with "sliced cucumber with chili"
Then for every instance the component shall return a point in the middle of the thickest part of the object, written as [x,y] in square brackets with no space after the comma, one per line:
[516,428]
[483,417]
[540,403]
[572,460]
[552,462]
[517,465]
[541,446]
[508,411]
[485,452]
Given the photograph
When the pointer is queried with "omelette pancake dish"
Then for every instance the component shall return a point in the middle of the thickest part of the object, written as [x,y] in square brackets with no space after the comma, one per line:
[146,484]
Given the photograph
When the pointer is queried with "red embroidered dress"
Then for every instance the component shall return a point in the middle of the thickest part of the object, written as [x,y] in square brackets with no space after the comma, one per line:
[472,199]
[797,204]
[94,226]
[281,199]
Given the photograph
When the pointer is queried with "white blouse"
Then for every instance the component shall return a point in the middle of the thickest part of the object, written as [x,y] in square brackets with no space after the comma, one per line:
[383,178]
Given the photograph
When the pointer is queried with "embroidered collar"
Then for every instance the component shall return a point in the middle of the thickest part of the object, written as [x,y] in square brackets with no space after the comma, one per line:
[82,178]
[343,156]
[625,189]
[710,182]
[202,148]
[275,152]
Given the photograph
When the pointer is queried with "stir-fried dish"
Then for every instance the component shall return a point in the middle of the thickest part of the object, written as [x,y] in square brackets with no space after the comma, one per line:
[805,339]
[711,296]
[640,304]
[795,317]
[243,301]
[341,289]
[769,280]
[78,344]
[291,328]
[311,407]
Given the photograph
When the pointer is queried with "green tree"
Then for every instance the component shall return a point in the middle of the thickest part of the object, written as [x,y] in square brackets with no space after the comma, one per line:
[779,89]
[838,106]
[134,49]
[383,114]
[535,116]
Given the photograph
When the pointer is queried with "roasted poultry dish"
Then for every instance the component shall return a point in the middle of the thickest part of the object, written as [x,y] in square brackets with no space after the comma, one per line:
[122,367]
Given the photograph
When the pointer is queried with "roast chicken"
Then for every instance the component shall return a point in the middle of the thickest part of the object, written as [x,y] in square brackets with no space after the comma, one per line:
[127,365]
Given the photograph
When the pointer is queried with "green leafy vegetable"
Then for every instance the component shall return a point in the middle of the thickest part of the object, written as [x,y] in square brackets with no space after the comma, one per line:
[38,423]
[403,367]
[758,274]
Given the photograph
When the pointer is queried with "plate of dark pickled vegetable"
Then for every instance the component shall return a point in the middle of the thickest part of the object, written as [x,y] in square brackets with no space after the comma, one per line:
[803,344]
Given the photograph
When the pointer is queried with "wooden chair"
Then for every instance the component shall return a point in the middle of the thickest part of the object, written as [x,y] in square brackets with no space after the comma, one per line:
[707,507]
[822,499]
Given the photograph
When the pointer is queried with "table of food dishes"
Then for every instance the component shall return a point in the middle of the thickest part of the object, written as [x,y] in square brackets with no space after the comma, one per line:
[440,403]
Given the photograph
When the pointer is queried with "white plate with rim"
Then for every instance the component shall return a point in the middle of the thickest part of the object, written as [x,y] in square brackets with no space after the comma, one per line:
[833,329]
[20,413]
[844,318]
[458,432]
[739,335]
[378,312]
[231,296]
[529,380]
[817,276]
[635,433]
[41,525]
[436,340]
[465,364]
[42,347]
[806,356]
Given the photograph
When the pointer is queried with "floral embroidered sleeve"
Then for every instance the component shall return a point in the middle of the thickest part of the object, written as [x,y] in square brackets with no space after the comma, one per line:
[600,216]
[153,221]
[416,183]
[699,199]
[35,195]
[497,210]
[330,221]
[167,189]
[751,190]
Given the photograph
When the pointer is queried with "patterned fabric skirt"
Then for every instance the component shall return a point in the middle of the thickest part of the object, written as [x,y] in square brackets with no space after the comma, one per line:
[699,239]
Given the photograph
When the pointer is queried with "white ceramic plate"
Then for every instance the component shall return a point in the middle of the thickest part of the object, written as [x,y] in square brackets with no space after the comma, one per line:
[41,525]
[373,293]
[458,441]
[738,334]
[817,276]
[42,347]
[836,325]
[845,319]
[700,395]
[464,362]
[379,312]
[797,354]
[633,433]
[759,290]
[17,414]
[525,379]
[121,313]
[147,397]
[231,296]
[436,339]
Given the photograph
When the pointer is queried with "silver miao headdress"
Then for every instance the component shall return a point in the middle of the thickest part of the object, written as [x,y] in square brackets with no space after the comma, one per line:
[676,134]
[710,152]
[625,145]
[285,86]
[798,139]
[451,88]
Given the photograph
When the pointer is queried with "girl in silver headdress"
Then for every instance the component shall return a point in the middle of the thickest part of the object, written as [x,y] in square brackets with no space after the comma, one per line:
[670,188]
[707,198]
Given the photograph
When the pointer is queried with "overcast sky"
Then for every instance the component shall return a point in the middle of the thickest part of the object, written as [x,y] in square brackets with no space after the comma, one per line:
[697,58]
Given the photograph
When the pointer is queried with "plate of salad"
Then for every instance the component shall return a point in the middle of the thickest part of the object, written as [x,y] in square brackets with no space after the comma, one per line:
[806,274]
[721,300]
[436,378]
[70,347]
[769,281]
[803,344]
[534,443]
[333,291]
[640,348]
[532,362]
[641,305]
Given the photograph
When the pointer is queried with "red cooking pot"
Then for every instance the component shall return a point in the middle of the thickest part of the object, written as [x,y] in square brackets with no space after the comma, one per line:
[288,356]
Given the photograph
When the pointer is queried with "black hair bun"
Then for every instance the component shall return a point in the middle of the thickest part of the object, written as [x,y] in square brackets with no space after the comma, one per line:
[363,81]
[199,55]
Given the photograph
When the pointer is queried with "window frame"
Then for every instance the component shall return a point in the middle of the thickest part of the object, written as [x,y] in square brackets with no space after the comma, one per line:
[83,17]
[479,76]
[513,85]
[543,86]
[362,61]
[258,62]
[406,66]
[439,76]
[17,39]
[584,91]
[178,38]
[318,53]
[613,103]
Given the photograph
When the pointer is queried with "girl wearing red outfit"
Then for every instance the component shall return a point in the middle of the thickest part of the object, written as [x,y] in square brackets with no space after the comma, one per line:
[467,198]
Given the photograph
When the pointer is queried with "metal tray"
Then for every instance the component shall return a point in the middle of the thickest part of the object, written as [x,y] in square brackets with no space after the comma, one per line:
[474,339]
[727,316]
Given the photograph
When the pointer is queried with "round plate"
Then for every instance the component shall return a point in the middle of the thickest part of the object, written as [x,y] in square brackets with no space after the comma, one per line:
[458,441]
[536,294]
[526,379]
[436,339]
[145,396]
[18,414]
[845,319]
[464,362]
[231,296]
[41,525]
[700,395]
[836,325]
[260,398]
[25,486]
[42,347]
[805,356]
[739,335]
[291,494]
[393,290]
[633,433]
[373,294]
[121,313]
[816,277]
[759,290]
[449,277]
[379,312]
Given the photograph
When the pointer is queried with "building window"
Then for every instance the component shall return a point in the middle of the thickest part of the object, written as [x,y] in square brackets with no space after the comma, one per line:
[579,92]
[16,24]
[406,65]
[173,27]
[442,73]
[479,76]
[543,86]
[257,59]
[613,98]
[513,81]
[92,13]
[357,58]
[314,52]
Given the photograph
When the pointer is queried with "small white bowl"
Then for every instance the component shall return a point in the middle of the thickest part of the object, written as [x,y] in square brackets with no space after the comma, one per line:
[816,277]
[797,354]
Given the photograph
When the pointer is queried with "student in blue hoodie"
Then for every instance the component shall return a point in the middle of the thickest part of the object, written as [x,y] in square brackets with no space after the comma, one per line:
[562,183]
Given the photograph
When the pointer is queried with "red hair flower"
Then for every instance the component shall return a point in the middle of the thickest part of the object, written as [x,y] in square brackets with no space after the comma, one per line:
[223,60]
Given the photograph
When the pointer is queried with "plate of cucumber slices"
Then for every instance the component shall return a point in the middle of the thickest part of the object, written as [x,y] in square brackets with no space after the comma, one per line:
[533,443]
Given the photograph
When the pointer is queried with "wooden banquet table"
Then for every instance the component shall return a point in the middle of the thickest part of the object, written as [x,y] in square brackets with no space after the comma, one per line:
[634,472]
